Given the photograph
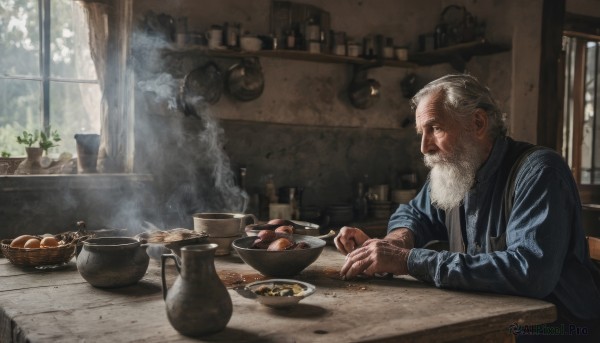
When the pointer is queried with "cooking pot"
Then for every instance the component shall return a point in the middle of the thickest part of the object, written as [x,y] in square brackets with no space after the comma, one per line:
[363,92]
[112,261]
[245,79]
[201,85]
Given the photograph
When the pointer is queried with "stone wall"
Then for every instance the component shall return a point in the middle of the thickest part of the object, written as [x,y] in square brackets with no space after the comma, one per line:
[302,130]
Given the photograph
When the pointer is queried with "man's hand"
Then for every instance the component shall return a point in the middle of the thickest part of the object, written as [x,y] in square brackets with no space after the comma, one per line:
[376,256]
[349,238]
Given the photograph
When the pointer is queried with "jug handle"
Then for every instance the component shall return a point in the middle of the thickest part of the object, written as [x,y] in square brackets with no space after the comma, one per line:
[163,259]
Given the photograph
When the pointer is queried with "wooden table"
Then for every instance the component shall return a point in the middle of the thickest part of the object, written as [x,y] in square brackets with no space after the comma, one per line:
[60,306]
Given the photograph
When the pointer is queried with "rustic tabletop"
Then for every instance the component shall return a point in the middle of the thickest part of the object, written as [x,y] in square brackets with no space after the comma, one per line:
[60,306]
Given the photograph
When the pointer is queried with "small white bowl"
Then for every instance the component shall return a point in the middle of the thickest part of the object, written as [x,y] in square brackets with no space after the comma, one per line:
[276,301]
[249,43]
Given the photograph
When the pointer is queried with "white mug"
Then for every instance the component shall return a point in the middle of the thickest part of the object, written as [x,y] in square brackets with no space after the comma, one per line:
[222,224]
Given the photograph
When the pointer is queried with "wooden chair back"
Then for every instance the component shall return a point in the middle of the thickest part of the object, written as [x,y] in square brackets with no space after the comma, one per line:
[594,247]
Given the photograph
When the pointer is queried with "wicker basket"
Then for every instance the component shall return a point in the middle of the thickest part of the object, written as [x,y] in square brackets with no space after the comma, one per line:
[37,256]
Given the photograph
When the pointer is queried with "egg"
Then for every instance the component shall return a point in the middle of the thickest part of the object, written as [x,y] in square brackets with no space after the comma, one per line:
[48,242]
[20,241]
[32,243]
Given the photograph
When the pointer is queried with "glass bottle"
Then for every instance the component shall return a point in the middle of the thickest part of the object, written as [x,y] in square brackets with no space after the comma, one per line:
[360,202]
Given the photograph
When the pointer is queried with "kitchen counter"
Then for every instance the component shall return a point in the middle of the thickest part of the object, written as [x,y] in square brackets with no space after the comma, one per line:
[60,306]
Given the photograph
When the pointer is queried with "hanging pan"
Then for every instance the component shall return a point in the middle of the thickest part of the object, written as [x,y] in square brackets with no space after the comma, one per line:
[202,85]
[363,92]
[245,80]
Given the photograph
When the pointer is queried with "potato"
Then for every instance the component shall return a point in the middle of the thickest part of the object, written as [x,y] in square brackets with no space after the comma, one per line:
[288,229]
[20,241]
[280,244]
[267,236]
[260,244]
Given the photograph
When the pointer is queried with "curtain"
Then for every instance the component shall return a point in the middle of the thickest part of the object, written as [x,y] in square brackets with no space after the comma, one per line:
[110,31]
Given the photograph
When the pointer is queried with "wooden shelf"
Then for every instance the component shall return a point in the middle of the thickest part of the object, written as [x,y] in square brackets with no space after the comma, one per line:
[291,55]
[457,55]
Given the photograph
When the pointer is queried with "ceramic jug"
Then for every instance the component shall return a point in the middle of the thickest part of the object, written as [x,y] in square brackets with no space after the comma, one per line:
[198,302]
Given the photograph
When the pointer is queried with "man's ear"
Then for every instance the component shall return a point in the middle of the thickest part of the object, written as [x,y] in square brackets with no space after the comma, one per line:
[480,121]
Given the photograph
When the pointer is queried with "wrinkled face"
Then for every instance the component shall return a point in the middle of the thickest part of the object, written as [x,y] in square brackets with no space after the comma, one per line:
[452,151]
[439,132]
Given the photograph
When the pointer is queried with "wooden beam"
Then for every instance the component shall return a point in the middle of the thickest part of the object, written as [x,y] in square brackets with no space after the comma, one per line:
[548,118]
[578,105]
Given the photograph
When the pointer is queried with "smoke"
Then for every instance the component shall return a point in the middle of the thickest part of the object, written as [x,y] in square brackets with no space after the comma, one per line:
[162,87]
[191,170]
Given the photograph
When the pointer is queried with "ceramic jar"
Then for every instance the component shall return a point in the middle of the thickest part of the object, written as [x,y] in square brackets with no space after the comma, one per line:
[198,302]
[112,261]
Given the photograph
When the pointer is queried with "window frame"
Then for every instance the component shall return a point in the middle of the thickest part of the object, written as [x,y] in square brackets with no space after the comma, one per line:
[44,79]
[110,24]
[578,26]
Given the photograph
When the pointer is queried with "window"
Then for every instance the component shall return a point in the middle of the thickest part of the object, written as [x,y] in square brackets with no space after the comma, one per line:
[47,76]
[581,128]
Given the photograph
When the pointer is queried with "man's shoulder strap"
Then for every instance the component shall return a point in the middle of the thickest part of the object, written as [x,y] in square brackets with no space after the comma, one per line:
[509,190]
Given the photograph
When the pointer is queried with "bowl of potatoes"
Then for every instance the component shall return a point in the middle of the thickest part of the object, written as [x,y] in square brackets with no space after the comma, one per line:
[277,253]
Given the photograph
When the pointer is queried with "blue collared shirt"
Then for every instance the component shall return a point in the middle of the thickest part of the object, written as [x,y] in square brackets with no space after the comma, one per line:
[539,251]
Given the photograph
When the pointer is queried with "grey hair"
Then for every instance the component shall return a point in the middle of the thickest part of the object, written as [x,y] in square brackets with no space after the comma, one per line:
[461,95]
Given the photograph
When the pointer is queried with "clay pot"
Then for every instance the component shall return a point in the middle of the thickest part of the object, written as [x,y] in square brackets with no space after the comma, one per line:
[112,261]
[31,165]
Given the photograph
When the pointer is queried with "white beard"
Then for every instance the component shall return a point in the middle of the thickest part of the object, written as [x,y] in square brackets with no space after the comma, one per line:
[452,176]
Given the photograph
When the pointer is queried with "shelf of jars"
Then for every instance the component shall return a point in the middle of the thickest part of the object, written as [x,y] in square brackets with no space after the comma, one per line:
[456,54]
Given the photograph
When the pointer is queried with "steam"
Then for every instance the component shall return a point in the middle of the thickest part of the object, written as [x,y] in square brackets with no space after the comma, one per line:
[162,87]
[191,170]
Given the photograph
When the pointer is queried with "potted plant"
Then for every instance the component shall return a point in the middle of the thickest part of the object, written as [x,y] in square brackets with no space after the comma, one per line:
[33,153]
[31,165]
[48,141]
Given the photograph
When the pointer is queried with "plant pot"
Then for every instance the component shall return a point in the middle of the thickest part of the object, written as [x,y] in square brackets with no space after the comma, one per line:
[31,164]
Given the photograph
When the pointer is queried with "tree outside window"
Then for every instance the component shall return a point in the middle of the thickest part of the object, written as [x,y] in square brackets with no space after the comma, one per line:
[47,76]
